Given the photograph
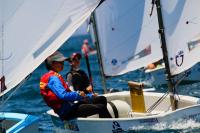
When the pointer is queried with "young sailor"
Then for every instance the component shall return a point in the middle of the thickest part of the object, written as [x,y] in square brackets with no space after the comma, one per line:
[78,80]
[57,95]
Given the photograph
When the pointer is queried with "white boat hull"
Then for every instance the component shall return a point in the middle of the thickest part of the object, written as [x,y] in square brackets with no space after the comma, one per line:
[156,77]
[189,109]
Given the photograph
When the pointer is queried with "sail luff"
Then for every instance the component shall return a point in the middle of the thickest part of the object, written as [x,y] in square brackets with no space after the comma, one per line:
[99,53]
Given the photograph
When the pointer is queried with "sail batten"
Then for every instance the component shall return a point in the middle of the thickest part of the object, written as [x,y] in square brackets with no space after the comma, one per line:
[32,30]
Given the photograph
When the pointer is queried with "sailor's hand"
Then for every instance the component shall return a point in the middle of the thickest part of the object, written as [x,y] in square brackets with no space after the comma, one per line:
[95,94]
[89,89]
[82,93]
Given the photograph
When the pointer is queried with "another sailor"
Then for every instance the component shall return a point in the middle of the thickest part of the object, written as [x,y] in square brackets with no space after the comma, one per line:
[155,64]
[78,80]
[86,49]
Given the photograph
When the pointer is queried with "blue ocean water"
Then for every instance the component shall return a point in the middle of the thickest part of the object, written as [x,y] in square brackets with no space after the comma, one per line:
[27,99]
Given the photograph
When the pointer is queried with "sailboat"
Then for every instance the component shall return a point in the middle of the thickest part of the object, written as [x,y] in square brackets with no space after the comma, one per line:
[30,31]
[178,24]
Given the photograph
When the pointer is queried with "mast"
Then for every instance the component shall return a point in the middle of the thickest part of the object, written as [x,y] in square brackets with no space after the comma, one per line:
[98,52]
[165,55]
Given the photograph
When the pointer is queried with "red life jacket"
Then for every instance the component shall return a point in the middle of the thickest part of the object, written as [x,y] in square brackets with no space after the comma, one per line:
[50,98]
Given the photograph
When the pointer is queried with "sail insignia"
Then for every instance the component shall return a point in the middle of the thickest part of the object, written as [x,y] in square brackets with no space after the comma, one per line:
[179,58]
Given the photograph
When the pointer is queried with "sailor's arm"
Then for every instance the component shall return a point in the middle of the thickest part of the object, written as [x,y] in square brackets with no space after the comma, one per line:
[56,86]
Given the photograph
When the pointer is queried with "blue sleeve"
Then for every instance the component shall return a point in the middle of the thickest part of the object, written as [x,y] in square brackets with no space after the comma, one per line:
[56,86]
[89,95]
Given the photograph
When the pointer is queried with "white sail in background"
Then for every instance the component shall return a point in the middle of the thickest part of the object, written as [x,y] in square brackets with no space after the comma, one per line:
[127,34]
[182,30]
[31,30]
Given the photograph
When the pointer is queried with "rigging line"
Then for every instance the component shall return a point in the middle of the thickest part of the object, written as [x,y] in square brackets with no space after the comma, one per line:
[182,78]
[152,107]
[175,84]
[178,82]
[157,103]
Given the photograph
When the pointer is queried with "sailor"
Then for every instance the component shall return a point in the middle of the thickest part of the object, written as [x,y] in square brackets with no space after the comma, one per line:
[57,95]
[86,49]
[78,80]
[155,64]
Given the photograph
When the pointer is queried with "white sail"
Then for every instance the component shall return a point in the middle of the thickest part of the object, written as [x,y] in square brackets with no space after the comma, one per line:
[128,36]
[182,30]
[31,30]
